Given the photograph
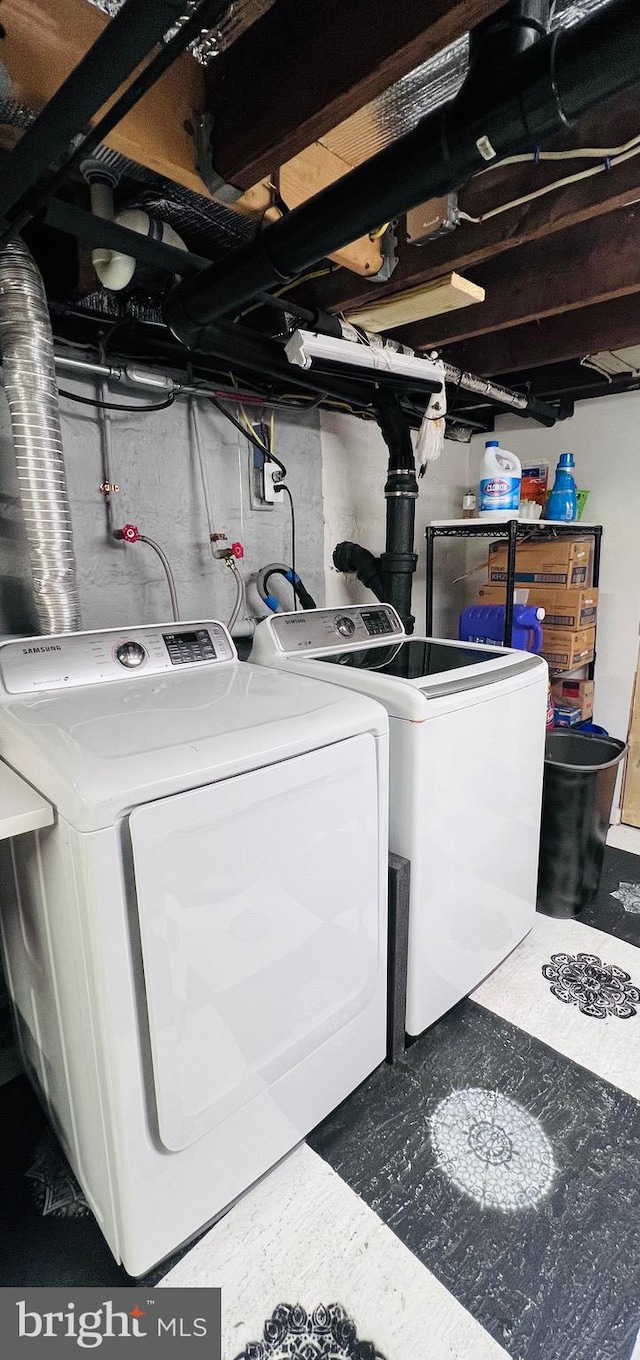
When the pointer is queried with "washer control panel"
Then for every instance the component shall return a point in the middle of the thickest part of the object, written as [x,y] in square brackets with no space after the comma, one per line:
[193,645]
[71,659]
[315,630]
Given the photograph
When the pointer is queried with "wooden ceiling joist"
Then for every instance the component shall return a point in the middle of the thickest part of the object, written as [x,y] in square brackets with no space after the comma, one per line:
[603,326]
[472,244]
[303,68]
[594,262]
[45,39]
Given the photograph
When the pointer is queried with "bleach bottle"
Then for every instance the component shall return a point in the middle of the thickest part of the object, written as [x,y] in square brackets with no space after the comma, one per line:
[500,479]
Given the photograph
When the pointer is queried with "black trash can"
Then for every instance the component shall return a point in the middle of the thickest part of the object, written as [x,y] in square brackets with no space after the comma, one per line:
[579,779]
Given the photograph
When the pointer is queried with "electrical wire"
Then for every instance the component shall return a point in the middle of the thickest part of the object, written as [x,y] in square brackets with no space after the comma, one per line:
[306,278]
[607,164]
[248,434]
[293,283]
[114,405]
[577,153]
[285,488]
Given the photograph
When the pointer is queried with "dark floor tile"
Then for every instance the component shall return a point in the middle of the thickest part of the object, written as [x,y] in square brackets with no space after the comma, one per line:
[556,1277]
[35,1248]
[608,913]
[48,1235]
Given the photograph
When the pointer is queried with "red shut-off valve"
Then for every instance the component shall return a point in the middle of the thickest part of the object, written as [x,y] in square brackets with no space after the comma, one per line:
[228,555]
[129,533]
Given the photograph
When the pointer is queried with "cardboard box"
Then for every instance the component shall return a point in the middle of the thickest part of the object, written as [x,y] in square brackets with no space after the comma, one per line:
[573,609]
[566,715]
[564,562]
[578,693]
[565,649]
[534,483]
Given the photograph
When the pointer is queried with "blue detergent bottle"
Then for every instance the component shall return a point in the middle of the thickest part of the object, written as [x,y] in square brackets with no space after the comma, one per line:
[485,623]
[563,501]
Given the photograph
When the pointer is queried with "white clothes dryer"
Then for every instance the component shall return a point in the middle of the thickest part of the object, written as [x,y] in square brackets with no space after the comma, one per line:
[194,916]
[467,732]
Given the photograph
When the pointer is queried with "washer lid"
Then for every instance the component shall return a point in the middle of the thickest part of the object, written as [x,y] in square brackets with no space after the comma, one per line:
[97,751]
[375,656]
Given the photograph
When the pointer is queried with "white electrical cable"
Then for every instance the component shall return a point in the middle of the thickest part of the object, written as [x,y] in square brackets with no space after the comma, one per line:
[611,161]
[577,154]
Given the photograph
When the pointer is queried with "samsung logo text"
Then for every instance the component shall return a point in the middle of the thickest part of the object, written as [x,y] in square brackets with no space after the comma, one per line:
[29,651]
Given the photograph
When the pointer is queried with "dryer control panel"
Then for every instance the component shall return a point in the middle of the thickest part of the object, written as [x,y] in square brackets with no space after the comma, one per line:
[67,660]
[315,630]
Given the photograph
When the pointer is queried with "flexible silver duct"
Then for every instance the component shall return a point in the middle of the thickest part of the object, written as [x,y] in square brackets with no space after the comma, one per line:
[26,342]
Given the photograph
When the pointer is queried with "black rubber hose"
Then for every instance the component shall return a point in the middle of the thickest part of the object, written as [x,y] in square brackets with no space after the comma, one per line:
[351,557]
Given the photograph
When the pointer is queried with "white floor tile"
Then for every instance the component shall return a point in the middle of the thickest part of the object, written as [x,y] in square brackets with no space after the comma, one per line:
[624,838]
[303,1236]
[518,992]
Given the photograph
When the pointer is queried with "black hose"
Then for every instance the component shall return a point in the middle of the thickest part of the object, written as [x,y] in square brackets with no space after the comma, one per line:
[281,569]
[350,557]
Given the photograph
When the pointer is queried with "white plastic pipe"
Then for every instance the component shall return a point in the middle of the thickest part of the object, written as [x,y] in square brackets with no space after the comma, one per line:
[115,270]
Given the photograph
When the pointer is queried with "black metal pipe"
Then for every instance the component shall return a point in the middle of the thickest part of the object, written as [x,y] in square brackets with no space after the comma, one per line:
[507,33]
[546,88]
[98,231]
[398,562]
[124,43]
[245,349]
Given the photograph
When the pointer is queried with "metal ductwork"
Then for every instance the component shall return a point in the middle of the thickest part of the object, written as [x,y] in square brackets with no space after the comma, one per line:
[26,342]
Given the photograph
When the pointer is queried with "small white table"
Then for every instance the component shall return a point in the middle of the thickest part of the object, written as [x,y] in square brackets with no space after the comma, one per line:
[21,808]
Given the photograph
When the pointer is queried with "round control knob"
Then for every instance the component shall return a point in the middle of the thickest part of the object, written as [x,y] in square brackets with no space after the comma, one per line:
[130,654]
[345,625]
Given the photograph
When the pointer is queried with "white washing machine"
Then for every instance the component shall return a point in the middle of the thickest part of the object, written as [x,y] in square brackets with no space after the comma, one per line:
[194,916]
[467,731]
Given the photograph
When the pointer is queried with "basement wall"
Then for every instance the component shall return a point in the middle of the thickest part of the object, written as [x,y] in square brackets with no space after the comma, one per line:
[604,436]
[155,464]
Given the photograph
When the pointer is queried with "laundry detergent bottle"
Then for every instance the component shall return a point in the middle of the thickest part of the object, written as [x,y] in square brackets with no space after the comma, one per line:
[563,501]
[500,477]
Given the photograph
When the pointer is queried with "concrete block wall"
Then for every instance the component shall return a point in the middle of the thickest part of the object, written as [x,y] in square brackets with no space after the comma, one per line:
[155,463]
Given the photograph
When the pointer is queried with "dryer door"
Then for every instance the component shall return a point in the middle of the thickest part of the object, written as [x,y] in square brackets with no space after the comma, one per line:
[259,904]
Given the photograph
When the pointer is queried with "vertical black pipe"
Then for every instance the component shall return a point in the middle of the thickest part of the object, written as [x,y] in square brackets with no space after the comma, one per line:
[398,561]
[507,33]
